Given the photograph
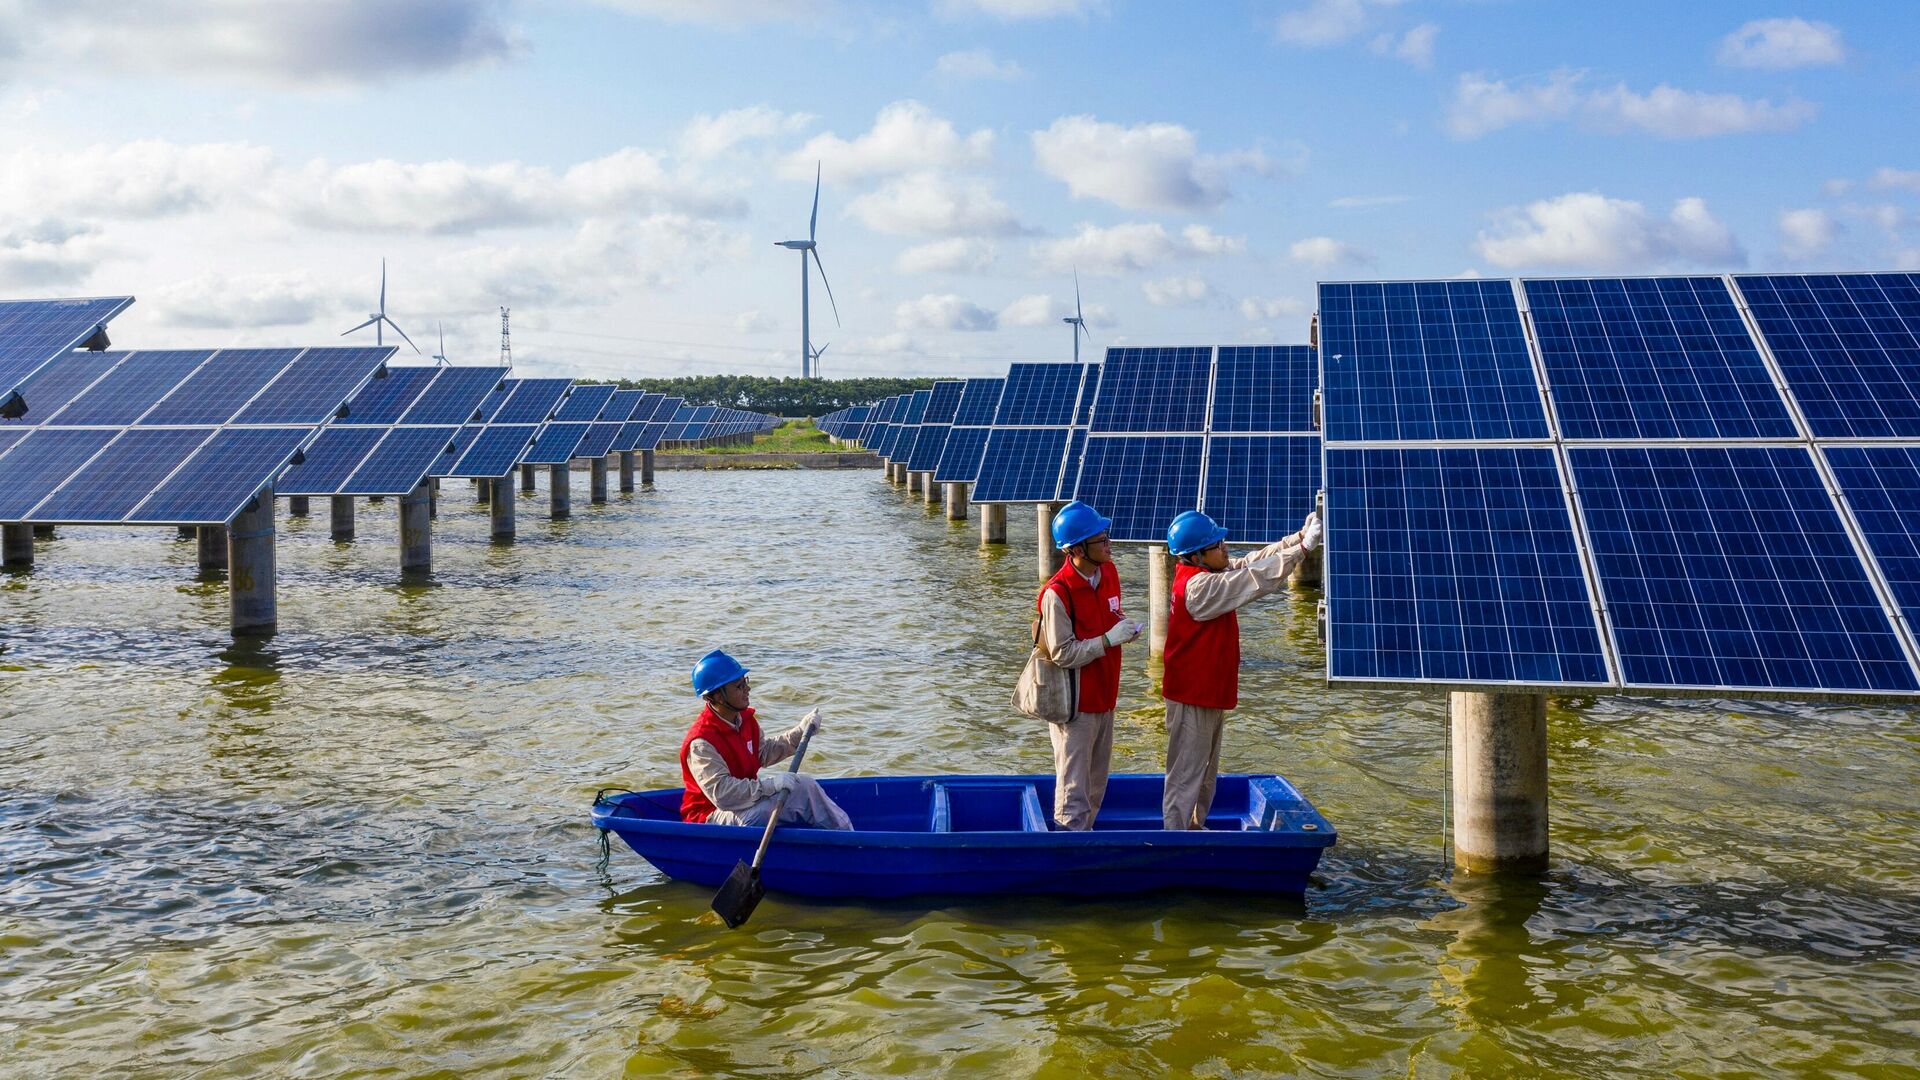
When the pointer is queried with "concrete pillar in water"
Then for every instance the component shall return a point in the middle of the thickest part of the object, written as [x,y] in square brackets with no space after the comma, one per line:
[297,506]
[526,478]
[1051,557]
[342,507]
[416,528]
[1499,782]
[956,502]
[503,508]
[559,491]
[250,575]
[646,466]
[433,498]
[187,532]
[931,489]
[1159,598]
[597,480]
[16,545]
[1309,571]
[44,532]
[213,547]
[482,492]
[993,523]
[626,471]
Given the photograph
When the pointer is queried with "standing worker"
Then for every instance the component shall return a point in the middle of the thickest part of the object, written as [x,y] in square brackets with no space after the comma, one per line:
[721,758]
[1082,629]
[1202,677]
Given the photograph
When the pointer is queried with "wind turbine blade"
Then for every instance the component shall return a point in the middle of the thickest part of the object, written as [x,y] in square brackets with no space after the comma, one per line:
[1082,324]
[383,288]
[814,219]
[1076,300]
[823,281]
[397,330]
[362,326]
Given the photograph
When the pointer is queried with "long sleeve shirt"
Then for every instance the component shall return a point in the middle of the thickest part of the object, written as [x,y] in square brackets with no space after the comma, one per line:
[1056,632]
[727,791]
[1245,579]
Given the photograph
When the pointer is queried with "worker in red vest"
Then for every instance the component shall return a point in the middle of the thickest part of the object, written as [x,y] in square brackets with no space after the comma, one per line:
[1082,629]
[721,758]
[1202,676]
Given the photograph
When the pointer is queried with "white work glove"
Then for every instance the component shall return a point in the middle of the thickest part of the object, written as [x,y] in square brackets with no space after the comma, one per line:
[1310,532]
[773,783]
[810,723]
[1123,631]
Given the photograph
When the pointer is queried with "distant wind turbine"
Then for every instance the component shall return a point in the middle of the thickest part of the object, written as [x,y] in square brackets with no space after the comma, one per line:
[376,319]
[1077,320]
[441,356]
[821,350]
[807,354]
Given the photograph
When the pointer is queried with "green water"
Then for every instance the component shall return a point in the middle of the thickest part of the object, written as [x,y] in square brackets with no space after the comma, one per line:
[362,848]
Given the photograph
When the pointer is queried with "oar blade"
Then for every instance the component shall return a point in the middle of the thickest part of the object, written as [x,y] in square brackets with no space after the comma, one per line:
[739,895]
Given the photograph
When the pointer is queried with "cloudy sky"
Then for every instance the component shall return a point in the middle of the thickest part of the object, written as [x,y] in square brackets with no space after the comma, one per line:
[617,171]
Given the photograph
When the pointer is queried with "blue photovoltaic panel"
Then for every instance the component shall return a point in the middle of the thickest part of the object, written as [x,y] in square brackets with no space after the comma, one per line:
[59,382]
[1153,390]
[1261,487]
[1141,482]
[219,479]
[944,402]
[130,389]
[221,387]
[1070,468]
[597,441]
[1882,487]
[619,408]
[33,332]
[927,446]
[1266,388]
[533,401]
[586,402]
[649,405]
[314,387]
[456,396]
[9,436]
[977,403]
[1039,395]
[1849,347]
[330,460]
[1089,393]
[1728,567]
[1426,360]
[1021,465]
[1653,358]
[126,472]
[555,444]
[494,452]
[37,465]
[916,407]
[960,457]
[400,462]
[384,400]
[650,435]
[1455,565]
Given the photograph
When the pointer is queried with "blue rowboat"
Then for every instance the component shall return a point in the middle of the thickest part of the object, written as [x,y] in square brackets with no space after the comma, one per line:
[973,835]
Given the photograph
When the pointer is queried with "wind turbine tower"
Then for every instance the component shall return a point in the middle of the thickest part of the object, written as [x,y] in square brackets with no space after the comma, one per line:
[1077,320]
[378,319]
[807,353]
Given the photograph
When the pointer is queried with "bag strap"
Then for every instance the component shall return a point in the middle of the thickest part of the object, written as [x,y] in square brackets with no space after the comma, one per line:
[1073,620]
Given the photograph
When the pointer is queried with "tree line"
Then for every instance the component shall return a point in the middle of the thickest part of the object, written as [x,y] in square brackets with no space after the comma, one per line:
[779,397]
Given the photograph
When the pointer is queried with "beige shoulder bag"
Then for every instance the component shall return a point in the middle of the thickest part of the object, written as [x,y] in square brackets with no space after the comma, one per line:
[1047,691]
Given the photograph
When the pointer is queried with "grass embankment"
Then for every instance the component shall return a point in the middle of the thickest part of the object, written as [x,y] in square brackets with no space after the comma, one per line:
[791,437]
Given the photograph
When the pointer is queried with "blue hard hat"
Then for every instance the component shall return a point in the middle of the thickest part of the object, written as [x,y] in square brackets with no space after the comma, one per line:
[715,670]
[1193,531]
[1077,523]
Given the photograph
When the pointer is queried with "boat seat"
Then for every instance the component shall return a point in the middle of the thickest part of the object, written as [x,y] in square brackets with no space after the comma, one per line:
[1274,806]
[975,807]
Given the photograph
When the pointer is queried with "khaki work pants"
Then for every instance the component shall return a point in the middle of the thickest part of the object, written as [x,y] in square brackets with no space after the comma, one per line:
[1082,752]
[1193,764]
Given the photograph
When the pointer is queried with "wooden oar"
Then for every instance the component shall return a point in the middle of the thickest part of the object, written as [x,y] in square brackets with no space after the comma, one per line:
[742,890]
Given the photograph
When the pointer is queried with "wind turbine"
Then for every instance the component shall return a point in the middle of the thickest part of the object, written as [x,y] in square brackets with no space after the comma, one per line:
[1076,320]
[441,356]
[377,318]
[819,351]
[807,355]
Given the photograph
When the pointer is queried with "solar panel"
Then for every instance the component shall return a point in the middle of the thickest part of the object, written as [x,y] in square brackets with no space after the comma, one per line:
[37,465]
[1070,466]
[1425,361]
[1039,395]
[620,407]
[978,401]
[312,388]
[1456,564]
[1157,390]
[650,436]
[383,400]
[221,387]
[944,402]
[122,475]
[1653,358]
[960,456]
[1022,465]
[555,444]
[457,394]
[1881,485]
[33,332]
[9,436]
[132,388]
[1089,392]
[1141,482]
[1264,388]
[1848,346]
[532,401]
[221,476]
[494,451]
[927,445]
[59,382]
[400,462]
[332,458]
[1261,487]
[586,402]
[598,440]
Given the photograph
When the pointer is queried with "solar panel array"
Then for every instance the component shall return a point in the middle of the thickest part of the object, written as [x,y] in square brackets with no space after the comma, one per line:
[397,431]
[1026,452]
[35,332]
[967,440]
[931,438]
[1681,484]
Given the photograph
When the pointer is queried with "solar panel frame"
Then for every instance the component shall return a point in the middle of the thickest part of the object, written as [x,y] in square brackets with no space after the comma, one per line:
[457,394]
[221,388]
[1153,390]
[220,477]
[133,387]
[1847,346]
[313,387]
[533,401]
[960,456]
[1260,487]
[58,382]
[1264,389]
[331,460]
[598,441]
[1140,481]
[384,400]
[493,451]
[402,460]
[1021,465]
[555,443]
[122,475]
[979,400]
[35,332]
[586,401]
[1039,395]
[38,463]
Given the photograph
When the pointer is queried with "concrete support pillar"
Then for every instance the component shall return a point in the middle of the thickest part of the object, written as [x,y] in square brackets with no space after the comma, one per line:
[342,507]
[482,492]
[213,548]
[297,506]
[559,492]
[251,604]
[930,489]
[416,528]
[597,481]
[16,545]
[503,509]
[1051,558]
[626,471]
[956,502]
[526,478]
[993,523]
[44,532]
[646,466]
[1159,598]
[185,532]
[1309,571]
[433,498]
[1499,782]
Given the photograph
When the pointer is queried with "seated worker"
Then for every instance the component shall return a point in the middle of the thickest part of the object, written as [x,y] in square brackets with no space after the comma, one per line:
[1202,675]
[721,758]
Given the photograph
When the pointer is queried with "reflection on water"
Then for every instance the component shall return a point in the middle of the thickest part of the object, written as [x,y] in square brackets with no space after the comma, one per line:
[361,845]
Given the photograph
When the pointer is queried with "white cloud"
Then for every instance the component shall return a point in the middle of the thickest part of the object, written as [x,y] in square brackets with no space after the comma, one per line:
[601,261]
[906,137]
[895,344]
[1325,251]
[1887,177]
[1415,46]
[1807,232]
[1256,309]
[1035,309]
[1118,249]
[217,301]
[1482,105]
[1018,10]
[1782,43]
[1322,22]
[958,255]
[1153,166]
[943,311]
[928,204]
[1588,231]
[1176,291]
[754,322]
[148,178]
[978,64]
[710,136]
[46,254]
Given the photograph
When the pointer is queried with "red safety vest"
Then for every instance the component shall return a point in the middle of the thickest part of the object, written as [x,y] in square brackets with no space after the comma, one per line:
[1202,658]
[740,749]
[1093,612]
